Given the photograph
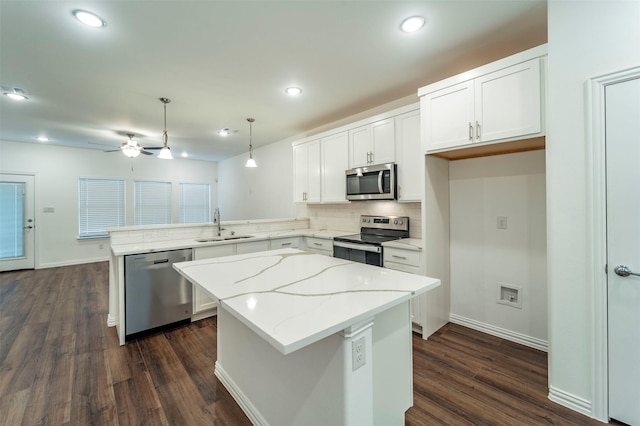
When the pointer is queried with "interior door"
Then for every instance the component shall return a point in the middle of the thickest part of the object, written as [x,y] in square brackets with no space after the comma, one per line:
[17,225]
[623,248]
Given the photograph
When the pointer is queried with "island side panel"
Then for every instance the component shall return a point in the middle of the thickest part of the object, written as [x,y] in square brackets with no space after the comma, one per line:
[303,387]
[317,385]
[393,365]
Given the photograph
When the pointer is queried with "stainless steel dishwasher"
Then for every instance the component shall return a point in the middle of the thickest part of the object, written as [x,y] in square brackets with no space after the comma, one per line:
[155,294]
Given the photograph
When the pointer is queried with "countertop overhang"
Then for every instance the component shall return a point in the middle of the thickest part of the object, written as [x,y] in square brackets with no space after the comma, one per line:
[292,298]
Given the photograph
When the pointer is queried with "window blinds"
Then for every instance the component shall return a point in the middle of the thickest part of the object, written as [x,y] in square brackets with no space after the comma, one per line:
[195,203]
[101,205]
[151,202]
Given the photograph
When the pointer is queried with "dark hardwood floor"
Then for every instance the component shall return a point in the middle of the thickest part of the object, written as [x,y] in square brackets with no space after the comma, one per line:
[61,365]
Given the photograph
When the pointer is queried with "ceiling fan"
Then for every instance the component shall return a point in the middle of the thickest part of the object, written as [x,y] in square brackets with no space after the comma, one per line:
[132,148]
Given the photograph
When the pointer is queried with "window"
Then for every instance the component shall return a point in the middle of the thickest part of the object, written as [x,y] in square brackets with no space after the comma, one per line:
[151,202]
[195,203]
[101,205]
[11,219]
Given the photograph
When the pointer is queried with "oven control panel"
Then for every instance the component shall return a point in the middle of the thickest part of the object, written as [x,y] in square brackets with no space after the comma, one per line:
[385,222]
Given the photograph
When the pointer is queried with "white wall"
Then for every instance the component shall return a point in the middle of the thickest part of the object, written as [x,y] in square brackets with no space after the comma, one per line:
[482,256]
[264,192]
[586,39]
[57,170]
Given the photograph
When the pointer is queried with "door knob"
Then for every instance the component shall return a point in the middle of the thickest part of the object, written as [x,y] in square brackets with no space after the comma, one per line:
[28,227]
[624,271]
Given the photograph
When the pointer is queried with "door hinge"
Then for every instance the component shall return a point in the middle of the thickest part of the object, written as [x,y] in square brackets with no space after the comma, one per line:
[606,269]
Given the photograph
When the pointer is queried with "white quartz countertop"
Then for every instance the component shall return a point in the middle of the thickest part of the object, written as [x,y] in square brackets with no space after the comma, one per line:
[177,244]
[293,298]
[405,244]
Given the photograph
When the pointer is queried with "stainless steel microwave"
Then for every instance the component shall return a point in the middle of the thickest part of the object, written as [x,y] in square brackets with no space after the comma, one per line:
[372,182]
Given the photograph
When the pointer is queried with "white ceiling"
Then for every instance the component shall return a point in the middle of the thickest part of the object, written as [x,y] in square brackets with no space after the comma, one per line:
[223,61]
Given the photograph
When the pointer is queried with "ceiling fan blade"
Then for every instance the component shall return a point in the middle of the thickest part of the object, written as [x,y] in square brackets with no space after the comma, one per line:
[152,147]
[114,150]
[145,152]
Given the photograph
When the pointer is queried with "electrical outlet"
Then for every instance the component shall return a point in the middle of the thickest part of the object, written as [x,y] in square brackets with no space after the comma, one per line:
[502,222]
[358,353]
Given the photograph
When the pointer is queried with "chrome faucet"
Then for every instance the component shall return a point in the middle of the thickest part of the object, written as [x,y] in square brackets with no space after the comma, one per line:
[216,219]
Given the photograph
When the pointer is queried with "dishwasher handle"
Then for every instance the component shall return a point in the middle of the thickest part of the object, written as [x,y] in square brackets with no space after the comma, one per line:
[160,261]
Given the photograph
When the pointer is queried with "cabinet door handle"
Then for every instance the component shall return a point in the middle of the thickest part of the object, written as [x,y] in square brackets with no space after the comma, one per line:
[317,244]
[285,244]
[477,130]
[398,257]
[371,158]
[470,131]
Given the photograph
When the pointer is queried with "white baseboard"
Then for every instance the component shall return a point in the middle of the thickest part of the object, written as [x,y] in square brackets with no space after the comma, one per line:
[570,401]
[111,321]
[70,263]
[249,409]
[503,333]
[204,314]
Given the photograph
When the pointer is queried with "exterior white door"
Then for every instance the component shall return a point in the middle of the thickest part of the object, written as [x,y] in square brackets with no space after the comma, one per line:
[623,248]
[17,222]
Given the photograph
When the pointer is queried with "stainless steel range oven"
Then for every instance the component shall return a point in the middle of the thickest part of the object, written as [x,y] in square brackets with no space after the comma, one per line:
[366,247]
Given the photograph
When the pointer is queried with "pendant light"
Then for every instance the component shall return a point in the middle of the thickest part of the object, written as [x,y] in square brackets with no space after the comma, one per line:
[131,149]
[165,152]
[251,162]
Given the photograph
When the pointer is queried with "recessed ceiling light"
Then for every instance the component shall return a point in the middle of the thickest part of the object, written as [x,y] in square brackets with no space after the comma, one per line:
[15,93]
[293,91]
[88,18]
[224,132]
[184,155]
[16,96]
[412,24]
[43,138]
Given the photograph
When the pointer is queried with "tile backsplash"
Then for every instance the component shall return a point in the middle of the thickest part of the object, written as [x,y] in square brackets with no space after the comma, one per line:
[344,217]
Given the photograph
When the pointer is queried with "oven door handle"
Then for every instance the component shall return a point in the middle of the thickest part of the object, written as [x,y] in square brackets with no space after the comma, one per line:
[361,247]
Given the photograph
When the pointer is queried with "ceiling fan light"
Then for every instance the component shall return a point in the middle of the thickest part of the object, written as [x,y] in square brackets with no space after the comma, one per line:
[131,151]
[165,153]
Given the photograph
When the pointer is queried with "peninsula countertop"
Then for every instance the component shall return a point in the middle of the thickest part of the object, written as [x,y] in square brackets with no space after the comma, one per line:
[293,298]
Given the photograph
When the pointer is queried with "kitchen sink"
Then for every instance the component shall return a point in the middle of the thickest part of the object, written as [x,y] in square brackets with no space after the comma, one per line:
[214,239]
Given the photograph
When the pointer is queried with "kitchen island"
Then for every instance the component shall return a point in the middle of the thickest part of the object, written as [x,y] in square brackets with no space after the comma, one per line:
[309,339]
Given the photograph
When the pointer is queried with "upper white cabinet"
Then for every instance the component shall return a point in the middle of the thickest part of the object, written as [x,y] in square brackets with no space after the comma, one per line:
[320,161]
[409,156]
[335,160]
[306,172]
[499,102]
[372,144]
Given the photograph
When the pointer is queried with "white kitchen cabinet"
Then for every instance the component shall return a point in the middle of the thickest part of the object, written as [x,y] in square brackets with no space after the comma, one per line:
[335,160]
[498,106]
[319,245]
[306,172]
[287,242]
[407,261]
[202,302]
[372,144]
[409,157]
[252,246]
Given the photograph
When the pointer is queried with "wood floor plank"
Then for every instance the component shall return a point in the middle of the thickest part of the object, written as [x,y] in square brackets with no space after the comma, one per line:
[13,406]
[137,401]
[61,364]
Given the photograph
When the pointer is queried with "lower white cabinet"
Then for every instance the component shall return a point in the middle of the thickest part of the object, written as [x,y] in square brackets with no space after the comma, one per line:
[201,300]
[319,245]
[288,242]
[252,246]
[407,261]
